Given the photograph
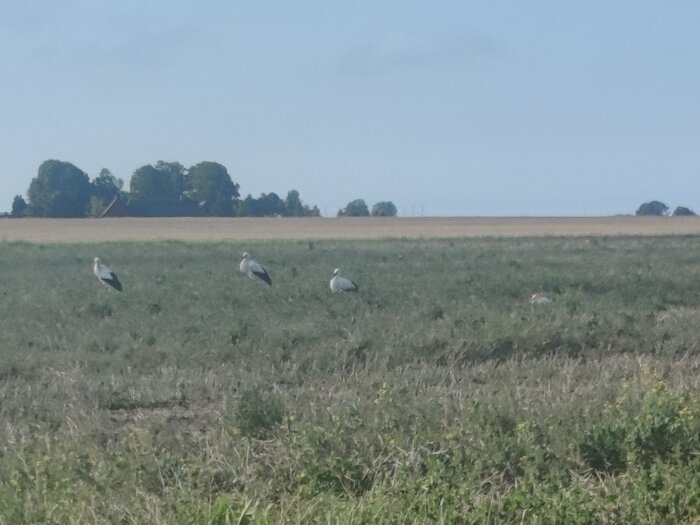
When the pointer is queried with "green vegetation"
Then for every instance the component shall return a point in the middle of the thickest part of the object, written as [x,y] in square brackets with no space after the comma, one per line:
[359,208]
[652,208]
[384,209]
[165,189]
[659,208]
[19,205]
[212,186]
[437,394]
[682,211]
[160,191]
[59,190]
[356,208]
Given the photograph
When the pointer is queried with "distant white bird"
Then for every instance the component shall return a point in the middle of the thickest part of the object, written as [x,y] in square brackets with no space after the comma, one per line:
[254,270]
[539,298]
[341,284]
[106,276]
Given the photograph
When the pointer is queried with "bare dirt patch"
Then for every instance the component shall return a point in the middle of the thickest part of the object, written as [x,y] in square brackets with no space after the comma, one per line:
[219,229]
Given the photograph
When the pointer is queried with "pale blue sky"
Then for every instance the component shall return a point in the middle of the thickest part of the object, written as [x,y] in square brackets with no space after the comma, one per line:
[463,108]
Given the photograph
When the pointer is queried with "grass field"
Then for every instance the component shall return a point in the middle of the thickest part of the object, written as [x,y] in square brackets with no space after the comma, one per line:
[437,394]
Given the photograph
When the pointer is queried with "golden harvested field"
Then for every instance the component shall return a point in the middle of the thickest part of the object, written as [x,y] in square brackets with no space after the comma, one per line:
[219,229]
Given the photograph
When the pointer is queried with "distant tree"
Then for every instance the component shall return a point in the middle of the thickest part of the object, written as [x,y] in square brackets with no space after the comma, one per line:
[151,185]
[157,192]
[294,207]
[213,188]
[243,207]
[104,188]
[652,208]
[311,211]
[267,205]
[179,176]
[384,209]
[19,206]
[356,208]
[682,211]
[60,189]
[271,205]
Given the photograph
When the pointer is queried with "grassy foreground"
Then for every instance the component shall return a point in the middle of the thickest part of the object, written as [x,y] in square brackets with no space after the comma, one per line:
[435,395]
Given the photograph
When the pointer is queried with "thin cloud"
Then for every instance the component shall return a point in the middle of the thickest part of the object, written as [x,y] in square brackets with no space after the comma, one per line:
[397,52]
[141,50]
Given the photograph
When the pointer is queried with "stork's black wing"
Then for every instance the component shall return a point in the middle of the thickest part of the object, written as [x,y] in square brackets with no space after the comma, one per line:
[263,276]
[113,281]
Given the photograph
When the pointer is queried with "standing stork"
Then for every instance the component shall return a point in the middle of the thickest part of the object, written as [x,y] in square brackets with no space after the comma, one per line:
[254,270]
[106,276]
[341,284]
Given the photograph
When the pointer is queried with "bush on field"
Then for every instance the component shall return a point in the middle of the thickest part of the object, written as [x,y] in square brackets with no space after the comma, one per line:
[666,426]
[258,414]
[663,427]
[603,448]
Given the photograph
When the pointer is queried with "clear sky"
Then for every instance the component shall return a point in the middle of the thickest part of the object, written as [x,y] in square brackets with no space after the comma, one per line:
[453,107]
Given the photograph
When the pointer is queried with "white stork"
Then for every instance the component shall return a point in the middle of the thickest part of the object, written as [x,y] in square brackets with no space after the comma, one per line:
[106,276]
[341,284]
[539,298]
[254,270]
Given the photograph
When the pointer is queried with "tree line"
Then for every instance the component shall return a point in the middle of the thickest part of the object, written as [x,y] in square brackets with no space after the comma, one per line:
[164,189]
[659,208]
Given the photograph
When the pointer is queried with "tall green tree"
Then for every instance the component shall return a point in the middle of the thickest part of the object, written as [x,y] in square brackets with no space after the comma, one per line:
[178,174]
[652,208]
[267,205]
[356,208]
[271,205]
[60,189]
[384,209]
[104,188]
[213,188]
[244,206]
[106,185]
[292,204]
[155,193]
[19,206]
[151,185]
[294,207]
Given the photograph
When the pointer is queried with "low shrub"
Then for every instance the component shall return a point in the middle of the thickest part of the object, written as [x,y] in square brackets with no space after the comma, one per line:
[258,414]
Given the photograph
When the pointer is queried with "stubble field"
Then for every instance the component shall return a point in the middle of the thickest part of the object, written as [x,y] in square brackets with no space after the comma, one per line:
[437,394]
[203,229]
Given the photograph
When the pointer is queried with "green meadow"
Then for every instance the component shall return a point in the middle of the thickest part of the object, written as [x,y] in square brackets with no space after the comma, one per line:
[437,394]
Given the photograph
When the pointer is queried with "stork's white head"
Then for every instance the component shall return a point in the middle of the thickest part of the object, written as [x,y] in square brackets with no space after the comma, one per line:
[97,260]
[246,255]
[336,272]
